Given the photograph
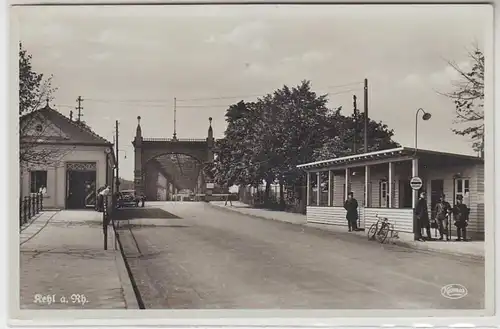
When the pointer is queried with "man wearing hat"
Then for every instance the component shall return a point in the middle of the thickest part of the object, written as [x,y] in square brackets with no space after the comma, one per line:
[461,212]
[422,214]
[443,210]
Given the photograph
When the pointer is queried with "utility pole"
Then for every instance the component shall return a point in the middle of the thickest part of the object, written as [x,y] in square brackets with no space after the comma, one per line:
[175,118]
[117,158]
[366,116]
[79,108]
[355,138]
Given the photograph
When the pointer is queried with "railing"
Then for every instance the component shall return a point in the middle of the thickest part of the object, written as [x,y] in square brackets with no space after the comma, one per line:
[29,206]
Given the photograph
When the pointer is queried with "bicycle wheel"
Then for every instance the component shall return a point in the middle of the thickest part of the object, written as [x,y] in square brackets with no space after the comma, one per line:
[382,233]
[372,231]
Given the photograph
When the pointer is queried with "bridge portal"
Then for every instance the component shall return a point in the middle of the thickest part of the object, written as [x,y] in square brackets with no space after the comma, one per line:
[166,166]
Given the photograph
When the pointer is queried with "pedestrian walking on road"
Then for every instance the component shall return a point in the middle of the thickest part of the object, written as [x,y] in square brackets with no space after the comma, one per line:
[461,213]
[443,211]
[422,215]
[351,205]
[228,199]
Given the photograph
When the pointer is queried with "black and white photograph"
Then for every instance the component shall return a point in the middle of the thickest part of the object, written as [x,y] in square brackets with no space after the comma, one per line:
[253,157]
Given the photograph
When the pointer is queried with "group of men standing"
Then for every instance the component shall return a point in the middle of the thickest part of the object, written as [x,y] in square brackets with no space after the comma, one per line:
[441,221]
[443,213]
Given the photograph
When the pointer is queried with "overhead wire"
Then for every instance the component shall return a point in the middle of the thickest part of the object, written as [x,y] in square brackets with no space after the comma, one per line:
[157,103]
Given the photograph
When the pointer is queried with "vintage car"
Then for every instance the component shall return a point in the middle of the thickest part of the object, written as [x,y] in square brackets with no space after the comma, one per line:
[128,198]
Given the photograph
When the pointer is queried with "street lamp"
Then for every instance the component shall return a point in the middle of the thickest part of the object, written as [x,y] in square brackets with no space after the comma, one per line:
[117,167]
[125,156]
[425,116]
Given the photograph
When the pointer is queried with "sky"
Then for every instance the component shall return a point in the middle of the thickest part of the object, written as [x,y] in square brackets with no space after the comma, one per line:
[126,61]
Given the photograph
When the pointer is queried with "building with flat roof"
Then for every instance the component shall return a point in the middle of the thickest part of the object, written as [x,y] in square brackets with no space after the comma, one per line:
[380,182]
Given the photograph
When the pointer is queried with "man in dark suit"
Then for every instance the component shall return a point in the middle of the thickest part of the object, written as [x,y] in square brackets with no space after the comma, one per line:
[351,205]
[422,214]
[461,213]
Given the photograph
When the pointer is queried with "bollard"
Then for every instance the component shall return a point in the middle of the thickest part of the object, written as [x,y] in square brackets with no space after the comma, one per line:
[105,223]
[38,202]
[25,213]
[41,201]
[33,205]
[29,207]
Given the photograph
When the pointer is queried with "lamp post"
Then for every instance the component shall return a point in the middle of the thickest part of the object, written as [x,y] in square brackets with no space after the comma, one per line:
[425,116]
[416,227]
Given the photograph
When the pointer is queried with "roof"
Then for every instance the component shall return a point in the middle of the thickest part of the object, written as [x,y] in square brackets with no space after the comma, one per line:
[386,154]
[79,132]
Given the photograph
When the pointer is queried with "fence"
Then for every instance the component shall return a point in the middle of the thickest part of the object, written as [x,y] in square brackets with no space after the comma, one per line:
[29,206]
[294,198]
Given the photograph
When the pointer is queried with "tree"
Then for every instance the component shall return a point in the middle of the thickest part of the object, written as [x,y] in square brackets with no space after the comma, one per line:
[267,139]
[341,136]
[34,91]
[468,97]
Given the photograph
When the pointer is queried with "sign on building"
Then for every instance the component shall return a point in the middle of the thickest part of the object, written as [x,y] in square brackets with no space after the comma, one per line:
[416,183]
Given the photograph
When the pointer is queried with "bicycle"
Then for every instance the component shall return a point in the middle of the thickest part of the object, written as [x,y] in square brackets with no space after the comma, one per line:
[380,229]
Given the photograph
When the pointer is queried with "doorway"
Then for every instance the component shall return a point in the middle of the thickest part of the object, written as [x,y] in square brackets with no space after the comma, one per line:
[81,190]
[405,194]
[437,188]
[384,195]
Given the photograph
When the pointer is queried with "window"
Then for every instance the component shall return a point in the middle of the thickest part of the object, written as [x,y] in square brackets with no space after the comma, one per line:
[38,180]
[462,187]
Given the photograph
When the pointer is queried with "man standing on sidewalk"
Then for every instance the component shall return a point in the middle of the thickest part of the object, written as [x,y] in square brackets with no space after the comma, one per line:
[351,205]
[461,212]
[443,210]
[422,214]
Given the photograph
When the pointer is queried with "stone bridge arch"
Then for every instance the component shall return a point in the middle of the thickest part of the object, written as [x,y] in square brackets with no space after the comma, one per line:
[148,151]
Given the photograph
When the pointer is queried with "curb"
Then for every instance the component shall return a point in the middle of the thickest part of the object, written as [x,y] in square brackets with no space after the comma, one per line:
[411,245]
[132,297]
[128,289]
[252,215]
[404,244]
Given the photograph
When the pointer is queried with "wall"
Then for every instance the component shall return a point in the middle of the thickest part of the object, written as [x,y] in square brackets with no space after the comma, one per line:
[402,219]
[335,215]
[326,215]
[56,174]
[475,174]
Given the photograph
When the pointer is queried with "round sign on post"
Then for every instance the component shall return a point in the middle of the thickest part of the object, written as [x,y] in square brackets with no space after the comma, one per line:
[416,183]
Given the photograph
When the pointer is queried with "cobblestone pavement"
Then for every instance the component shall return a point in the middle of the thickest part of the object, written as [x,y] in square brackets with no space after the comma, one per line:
[63,264]
[208,258]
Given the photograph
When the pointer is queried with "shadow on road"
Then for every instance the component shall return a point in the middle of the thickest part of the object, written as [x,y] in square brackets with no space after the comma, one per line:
[137,213]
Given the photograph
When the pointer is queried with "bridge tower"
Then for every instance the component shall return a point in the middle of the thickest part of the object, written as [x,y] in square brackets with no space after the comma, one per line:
[150,149]
[138,176]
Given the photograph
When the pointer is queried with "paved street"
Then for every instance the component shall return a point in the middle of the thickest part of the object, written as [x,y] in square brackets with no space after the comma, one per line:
[62,256]
[192,255]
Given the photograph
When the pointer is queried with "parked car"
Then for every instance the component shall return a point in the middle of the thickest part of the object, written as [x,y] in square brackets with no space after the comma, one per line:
[128,198]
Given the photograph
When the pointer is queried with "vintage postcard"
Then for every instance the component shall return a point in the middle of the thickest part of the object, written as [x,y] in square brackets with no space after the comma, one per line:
[203,162]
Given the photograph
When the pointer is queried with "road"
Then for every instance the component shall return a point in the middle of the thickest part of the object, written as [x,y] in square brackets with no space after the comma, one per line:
[191,255]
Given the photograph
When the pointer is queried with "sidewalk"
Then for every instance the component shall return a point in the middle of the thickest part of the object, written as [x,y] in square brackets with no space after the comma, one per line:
[62,256]
[472,249]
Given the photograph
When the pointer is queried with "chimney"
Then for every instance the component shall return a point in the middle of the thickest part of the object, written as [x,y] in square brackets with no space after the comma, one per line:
[70,115]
